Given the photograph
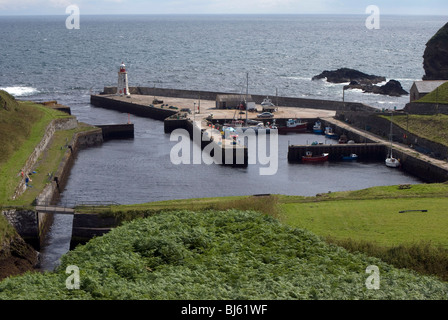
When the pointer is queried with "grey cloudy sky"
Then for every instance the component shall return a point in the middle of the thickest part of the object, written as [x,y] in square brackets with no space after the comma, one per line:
[402,7]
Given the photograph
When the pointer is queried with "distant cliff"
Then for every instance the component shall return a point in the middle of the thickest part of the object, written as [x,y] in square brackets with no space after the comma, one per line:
[435,58]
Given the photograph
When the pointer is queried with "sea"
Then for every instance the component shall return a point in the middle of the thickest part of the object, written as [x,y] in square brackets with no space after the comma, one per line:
[42,60]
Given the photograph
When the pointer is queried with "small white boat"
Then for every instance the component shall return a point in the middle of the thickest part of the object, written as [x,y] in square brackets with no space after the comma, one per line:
[267,103]
[390,161]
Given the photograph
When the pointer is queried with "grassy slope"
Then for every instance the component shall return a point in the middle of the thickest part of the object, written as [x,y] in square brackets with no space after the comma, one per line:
[218,255]
[440,95]
[22,128]
[431,127]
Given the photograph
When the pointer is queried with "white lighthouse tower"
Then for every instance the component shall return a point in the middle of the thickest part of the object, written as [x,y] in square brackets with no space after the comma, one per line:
[123,88]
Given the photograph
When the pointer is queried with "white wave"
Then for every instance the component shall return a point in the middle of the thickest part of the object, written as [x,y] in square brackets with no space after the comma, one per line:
[20,91]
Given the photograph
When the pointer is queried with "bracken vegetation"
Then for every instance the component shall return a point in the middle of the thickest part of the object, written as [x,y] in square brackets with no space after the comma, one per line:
[218,255]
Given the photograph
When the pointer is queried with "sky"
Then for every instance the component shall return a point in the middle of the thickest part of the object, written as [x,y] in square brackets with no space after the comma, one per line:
[58,7]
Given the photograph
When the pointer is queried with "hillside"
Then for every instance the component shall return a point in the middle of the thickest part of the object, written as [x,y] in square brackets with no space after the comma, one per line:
[218,255]
[440,95]
[16,121]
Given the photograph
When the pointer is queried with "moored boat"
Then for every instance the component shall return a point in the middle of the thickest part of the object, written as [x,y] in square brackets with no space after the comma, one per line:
[392,162]
[293,125]
[317,128]
[351,157]
[330,134]
[308,157]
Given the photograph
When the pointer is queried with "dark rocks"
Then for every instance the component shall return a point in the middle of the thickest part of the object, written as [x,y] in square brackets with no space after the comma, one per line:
[392,88]
[349,75]
[435,58]
[363,81]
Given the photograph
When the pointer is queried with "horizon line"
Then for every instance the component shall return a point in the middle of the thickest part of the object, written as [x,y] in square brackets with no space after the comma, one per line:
[222,14]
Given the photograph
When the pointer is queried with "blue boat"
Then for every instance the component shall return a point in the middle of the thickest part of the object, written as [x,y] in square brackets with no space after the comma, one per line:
[317,128]
[351,157]
[330,134]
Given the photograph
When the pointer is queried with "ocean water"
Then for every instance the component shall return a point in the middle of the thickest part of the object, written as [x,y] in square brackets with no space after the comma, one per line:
[42,59]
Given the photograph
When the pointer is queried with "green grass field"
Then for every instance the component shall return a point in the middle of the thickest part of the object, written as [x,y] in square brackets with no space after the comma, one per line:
[431,127]
[218,255]
[375,221]
[440,95]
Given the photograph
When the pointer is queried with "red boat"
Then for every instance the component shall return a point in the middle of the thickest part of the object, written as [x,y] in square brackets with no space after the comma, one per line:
[310,158]
[296,126]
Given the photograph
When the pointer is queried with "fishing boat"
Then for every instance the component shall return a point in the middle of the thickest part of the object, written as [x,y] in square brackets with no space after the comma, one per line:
[293,125]
[351,157]
[317,128]
[329,133]
[391,161]
[308,157]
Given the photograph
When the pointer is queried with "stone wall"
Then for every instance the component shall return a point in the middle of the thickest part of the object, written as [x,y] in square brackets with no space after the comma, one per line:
[282,101]
[80,140]
[426,108]
[26,224]
[58,124]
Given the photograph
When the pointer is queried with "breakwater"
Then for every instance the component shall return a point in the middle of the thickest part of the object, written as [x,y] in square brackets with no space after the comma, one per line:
[157,113]
[211,95]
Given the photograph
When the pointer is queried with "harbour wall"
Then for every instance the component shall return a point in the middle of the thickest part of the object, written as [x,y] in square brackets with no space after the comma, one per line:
[365,151]
[426,108]
[134,108]
[117,131]
[211,95]
[380,126]
[86,226]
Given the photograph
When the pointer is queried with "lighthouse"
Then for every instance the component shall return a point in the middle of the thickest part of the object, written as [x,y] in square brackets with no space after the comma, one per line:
[123,88]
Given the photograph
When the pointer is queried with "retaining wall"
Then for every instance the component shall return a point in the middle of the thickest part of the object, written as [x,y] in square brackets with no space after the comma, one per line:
[26,224]
[58,124]
[51,191]
[426,108]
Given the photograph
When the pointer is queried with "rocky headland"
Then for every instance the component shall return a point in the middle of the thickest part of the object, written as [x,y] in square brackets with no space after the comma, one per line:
[435,57]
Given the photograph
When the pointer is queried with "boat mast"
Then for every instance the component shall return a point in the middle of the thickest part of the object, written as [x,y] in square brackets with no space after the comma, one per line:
[390,135]
[247,93]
